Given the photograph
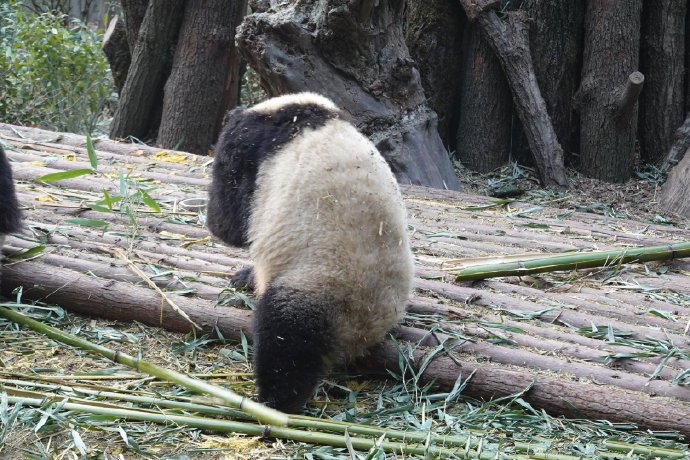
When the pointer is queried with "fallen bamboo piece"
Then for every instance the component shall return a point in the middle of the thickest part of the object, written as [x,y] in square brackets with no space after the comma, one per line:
[574,261]
[259,411]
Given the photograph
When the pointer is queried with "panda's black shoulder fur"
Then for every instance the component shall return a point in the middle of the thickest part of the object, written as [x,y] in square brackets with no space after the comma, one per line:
[247,139]
[10,216]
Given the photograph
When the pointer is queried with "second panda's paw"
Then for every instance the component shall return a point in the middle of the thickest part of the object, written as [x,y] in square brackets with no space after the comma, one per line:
[243,278]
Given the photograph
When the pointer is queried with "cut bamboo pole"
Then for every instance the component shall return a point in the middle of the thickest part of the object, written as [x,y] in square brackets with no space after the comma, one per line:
[259,411]
[575,261]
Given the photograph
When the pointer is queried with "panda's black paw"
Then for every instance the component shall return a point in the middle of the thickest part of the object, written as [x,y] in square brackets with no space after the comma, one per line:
[243,278]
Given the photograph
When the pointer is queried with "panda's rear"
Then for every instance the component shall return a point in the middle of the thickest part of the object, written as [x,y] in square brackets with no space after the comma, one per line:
[326,227]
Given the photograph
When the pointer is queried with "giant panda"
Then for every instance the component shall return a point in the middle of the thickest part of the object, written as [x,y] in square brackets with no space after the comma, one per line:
[10,216]
[326,227]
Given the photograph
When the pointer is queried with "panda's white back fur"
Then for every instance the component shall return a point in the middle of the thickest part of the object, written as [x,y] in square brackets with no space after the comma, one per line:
[326,227]
[274,104]
[340,231]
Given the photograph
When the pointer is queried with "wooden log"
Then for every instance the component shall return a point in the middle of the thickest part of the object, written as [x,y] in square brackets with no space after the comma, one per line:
[527,359]
[555,395]
[563,316]
[122,301]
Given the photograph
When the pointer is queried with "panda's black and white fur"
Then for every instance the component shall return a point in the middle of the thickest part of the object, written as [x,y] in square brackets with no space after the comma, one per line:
[10,216]
[327,230]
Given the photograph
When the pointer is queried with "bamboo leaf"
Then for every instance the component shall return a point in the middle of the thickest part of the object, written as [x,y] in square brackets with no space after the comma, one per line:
[25,254]
[70,174]
[150,202]
[87,222]
[91,151]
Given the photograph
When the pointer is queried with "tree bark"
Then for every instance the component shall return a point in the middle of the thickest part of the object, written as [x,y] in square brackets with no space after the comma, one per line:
[509,40]
[116,50]
[556,33]
[133,12]
[662,61]
[354,53]
[687,60]
[674,193]
[193,93]
[607,94]
[136,114]
[434,35]
[232,89]
[485,107]
[116,300]
[680,146]
[555,395]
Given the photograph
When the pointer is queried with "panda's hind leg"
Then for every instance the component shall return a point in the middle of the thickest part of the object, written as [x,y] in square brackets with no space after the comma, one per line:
[244,278]
[292,337]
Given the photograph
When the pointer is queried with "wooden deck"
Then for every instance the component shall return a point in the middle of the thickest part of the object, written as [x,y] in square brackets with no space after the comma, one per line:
[594,329]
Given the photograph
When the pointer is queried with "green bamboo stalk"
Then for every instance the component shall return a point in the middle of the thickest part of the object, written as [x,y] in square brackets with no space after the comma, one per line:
[295,421]
[620,446]
[574,261]
[286,433]
[259,411]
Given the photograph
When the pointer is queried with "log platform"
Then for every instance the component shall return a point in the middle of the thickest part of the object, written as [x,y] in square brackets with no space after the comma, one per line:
[607,343]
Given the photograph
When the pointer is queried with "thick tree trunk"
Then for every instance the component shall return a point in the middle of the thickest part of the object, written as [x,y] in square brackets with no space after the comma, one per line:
[509,40]
[687,60]
[609,89]
[674,193]
[136,114]
[233,82]
[556,34]
[662,61]
[133,12]
[680,145]
[433,33]
[485,106]
[193,93]
[116,50]
[354,53]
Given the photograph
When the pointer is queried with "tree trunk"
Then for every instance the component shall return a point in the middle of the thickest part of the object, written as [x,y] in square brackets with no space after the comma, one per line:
[509,40]
[555,38]
[136,114]
[662,61]
[354,53]
[116,50]
[687,60]
[674,193]
[485,106]
[433,33]
[232,89]
[133,12]
[680,146]
[193,93]
[609,89]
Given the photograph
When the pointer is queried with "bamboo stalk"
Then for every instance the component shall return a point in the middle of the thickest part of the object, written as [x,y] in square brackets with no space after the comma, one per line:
[259,411]
[285,433]
[574,262]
